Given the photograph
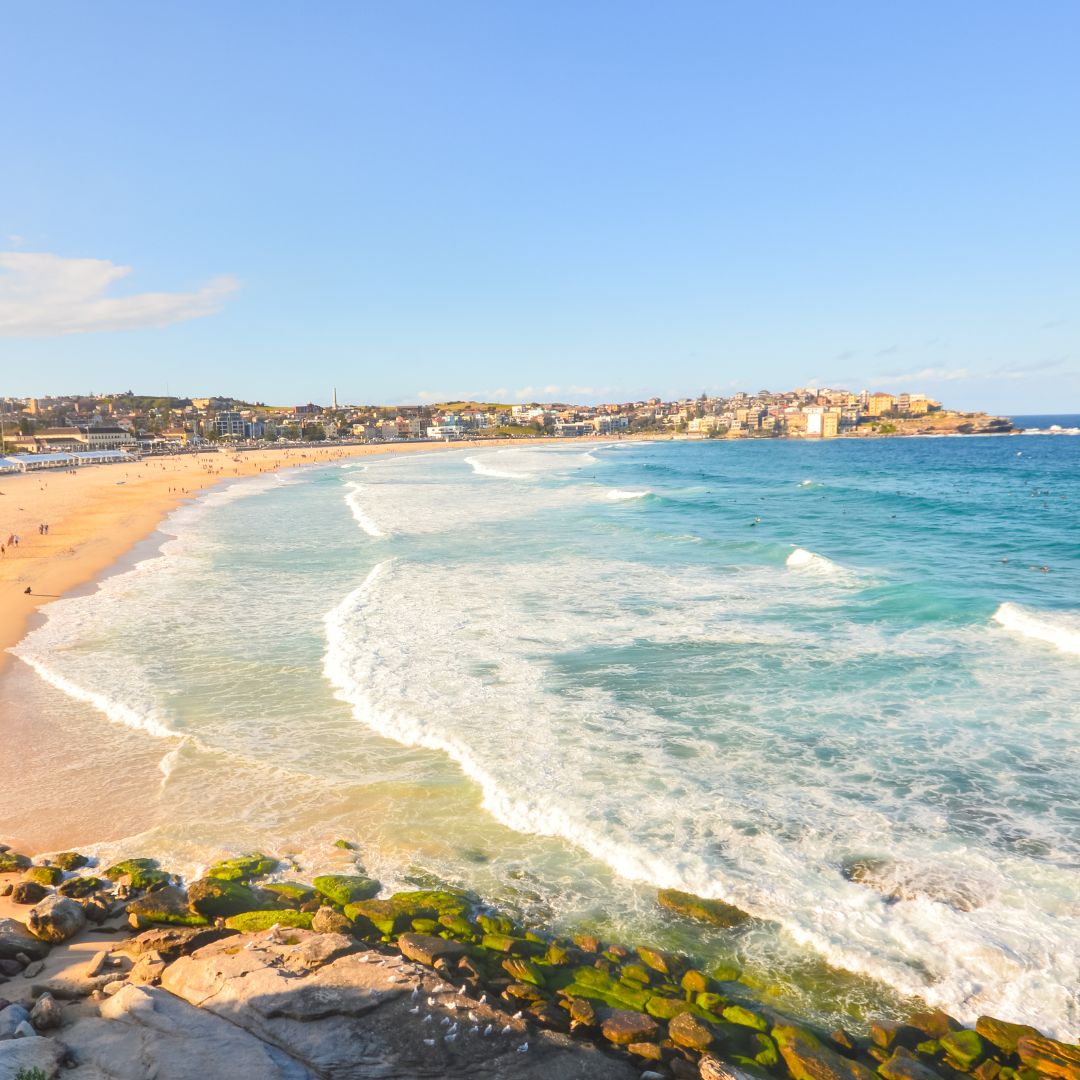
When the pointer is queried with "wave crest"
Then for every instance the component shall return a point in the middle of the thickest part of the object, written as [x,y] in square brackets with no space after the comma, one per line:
[1057,630]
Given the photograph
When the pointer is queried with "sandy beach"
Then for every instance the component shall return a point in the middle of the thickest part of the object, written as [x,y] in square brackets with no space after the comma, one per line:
[97,514]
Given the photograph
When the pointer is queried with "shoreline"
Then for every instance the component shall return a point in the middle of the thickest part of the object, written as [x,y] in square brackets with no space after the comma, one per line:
[98,515]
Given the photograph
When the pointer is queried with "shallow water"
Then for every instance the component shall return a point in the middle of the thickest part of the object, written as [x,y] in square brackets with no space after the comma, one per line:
[568,677]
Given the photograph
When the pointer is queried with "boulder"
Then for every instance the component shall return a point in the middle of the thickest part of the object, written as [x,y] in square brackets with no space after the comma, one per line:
[658,961]
[1048,1057]
[10,1019]
[176,941]
[328,921]
[168,906]
[715,912]
[78,887]
[129,868]
[11,862]
[736,1014]
[252,922]
[687,1030]
[218,898]
[1003,1035]
[713,1068]
[964,1048]
[148,968]
[426,949]
[289,893]
[623,1027]
[28,892]
[29,1057]
[46,1015]
[244,868]
[342,889]
[70,860]
[55,919]
[807,1058]
[44,875]
[904,1065]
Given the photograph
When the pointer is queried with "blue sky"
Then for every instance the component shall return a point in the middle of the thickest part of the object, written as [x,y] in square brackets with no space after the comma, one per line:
[416,200]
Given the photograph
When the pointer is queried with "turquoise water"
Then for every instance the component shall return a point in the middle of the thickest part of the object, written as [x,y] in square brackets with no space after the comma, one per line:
[568,676]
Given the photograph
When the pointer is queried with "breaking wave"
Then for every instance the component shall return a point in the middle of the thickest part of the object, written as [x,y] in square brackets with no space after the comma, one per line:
[1061,631]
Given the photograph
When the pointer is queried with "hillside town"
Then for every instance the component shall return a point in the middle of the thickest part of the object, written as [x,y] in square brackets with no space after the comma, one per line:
[100,426]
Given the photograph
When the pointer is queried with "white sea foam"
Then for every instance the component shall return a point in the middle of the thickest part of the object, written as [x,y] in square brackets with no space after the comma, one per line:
[619,495]
[116,711]
[363,518]
[1057,629]
[481,467]
[801,559]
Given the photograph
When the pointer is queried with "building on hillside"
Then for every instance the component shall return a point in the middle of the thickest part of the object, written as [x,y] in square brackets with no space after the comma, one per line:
[821,422]
[879,404]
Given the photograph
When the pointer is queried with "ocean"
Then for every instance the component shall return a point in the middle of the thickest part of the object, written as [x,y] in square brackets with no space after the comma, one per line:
[834,683]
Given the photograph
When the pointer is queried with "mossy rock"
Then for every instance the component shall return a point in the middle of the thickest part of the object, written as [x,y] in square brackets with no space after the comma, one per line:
[807,1058]
[167,906]
[695,982]
[964,1048]
[252,922]
[290,893]
[426,926]
[396,913]
[714,912]
[767,1056]
[243,868]
[150,879]
[726,973]
[600,986]
[665,1008]
[70,860]
[44,875]
[130,866]
[219,898]
[457,926]
[523,971]
[736,1014]
[79,886]
[344,845]
[11,862]
[342,889]
[515,946]
[713,1003]
[637,973]
[495,924]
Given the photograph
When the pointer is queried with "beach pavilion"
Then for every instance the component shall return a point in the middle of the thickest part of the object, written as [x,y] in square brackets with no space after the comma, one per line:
[67,460]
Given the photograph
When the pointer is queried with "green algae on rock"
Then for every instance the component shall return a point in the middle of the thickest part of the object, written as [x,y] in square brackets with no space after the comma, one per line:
[251,922]
[217,897]
[291,893]
[243,868]
[397,912]
[166,906]
[70,860]
[12,861]
[343,889]
[716,912]
[130,866]
[44,875]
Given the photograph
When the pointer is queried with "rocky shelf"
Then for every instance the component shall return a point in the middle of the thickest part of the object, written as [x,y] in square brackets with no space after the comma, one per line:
[236,975]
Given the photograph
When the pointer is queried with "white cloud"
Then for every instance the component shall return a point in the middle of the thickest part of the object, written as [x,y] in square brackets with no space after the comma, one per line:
[44,295]
[525,393]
